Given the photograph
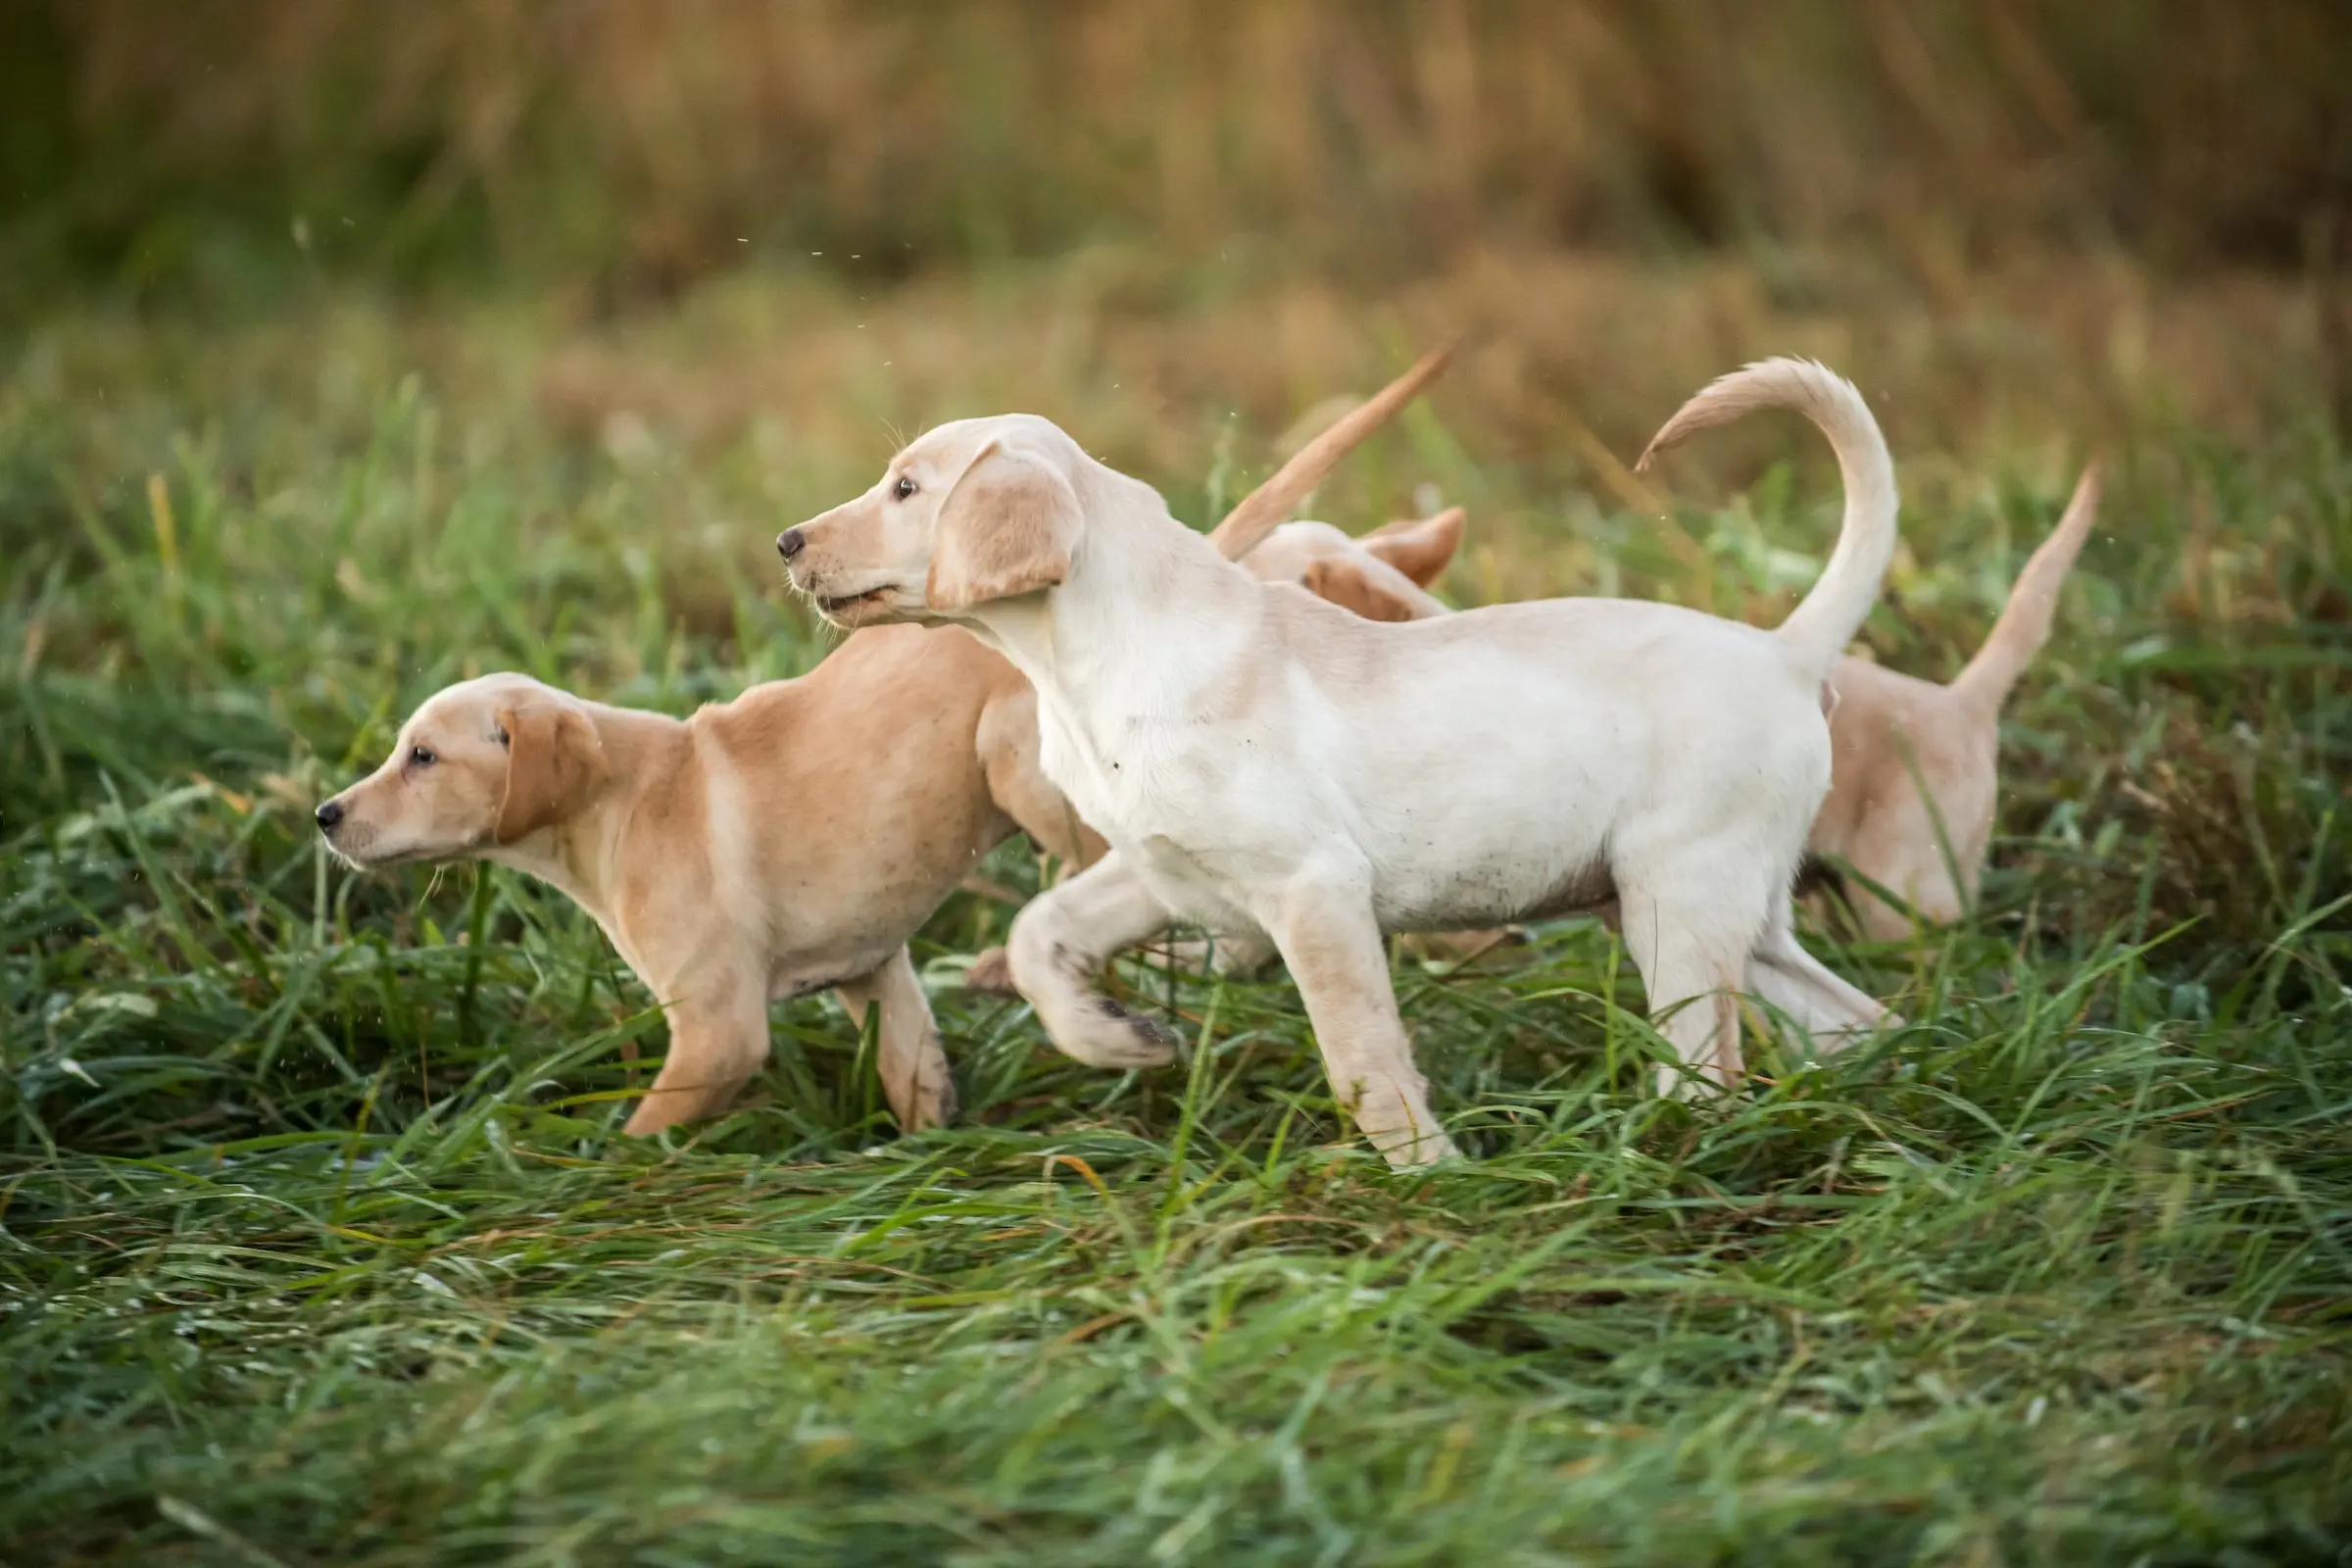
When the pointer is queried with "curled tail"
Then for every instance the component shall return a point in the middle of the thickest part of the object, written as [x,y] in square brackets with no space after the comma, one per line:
[1264,509]
[2025,621]
[1821,626]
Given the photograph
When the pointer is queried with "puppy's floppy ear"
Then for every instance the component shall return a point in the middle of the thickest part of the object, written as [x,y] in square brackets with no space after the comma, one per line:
[555,761]
[1349,586]
[1420,549]
[1006,529]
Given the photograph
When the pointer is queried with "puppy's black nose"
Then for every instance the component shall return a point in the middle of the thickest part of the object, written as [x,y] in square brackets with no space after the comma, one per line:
[790,543]
[329,816]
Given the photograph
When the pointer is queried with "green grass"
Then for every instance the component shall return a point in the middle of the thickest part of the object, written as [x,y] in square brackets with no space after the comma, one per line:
[318,1243]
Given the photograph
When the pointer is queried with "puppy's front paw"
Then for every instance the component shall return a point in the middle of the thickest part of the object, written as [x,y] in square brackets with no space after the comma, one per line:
[1112,1035]
[1084,1024]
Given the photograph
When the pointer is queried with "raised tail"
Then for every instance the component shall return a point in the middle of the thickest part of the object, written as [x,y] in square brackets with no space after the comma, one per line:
[1826,620]
[1266,507]
[2025,621]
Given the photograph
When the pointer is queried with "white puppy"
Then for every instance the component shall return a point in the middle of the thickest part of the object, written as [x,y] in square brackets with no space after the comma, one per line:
[1263,762]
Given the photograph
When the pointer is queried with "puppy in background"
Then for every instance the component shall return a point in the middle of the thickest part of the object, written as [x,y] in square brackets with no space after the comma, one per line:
[1385,575]
[1916,767]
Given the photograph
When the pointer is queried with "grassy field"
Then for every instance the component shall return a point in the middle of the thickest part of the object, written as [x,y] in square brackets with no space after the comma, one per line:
[318,1243]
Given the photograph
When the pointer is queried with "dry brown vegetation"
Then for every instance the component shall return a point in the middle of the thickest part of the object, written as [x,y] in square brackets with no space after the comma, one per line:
[1569,357]
[646,141]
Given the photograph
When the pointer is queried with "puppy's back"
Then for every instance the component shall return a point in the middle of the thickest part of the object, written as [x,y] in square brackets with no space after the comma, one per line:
[857,789]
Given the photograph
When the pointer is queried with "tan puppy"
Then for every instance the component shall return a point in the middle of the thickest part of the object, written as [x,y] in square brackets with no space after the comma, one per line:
[784,843]
[1892,733]
[788,842]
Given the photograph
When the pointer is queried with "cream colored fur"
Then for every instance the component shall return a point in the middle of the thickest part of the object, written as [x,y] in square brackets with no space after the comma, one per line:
[1889,734]
[1264,764]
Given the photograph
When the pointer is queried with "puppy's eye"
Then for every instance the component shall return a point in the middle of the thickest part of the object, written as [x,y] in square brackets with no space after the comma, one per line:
[904,488]
[422,755]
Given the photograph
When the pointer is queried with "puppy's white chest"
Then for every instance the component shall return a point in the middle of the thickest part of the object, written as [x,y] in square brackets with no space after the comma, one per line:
[1141,801]
[1112,786]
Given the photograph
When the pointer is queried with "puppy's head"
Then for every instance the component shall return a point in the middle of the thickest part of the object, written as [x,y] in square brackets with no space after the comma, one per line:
[1381,576]
[973,512]
[482,765]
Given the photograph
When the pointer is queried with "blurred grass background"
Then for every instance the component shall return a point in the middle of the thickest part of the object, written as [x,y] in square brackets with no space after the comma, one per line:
[349,349]
[2016,217]
[636,147]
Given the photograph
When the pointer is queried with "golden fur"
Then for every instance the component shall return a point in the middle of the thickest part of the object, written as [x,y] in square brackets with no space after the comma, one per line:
[786,842]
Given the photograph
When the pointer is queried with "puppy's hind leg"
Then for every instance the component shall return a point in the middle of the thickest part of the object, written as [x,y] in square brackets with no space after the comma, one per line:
[717,1040]
[915,1070]
[1689,929]
[1784,975]
[1327,935]
[1060,941]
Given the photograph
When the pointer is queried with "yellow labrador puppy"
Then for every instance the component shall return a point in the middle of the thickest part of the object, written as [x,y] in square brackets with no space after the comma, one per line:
[1893,733]
[1382,576]
[1915,766]
[787,842]
[1265,763]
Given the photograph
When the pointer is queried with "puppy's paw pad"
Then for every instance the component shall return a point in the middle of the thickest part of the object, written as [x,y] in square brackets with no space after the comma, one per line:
[1155,1042]
[1123,1041]
[1148,1040]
